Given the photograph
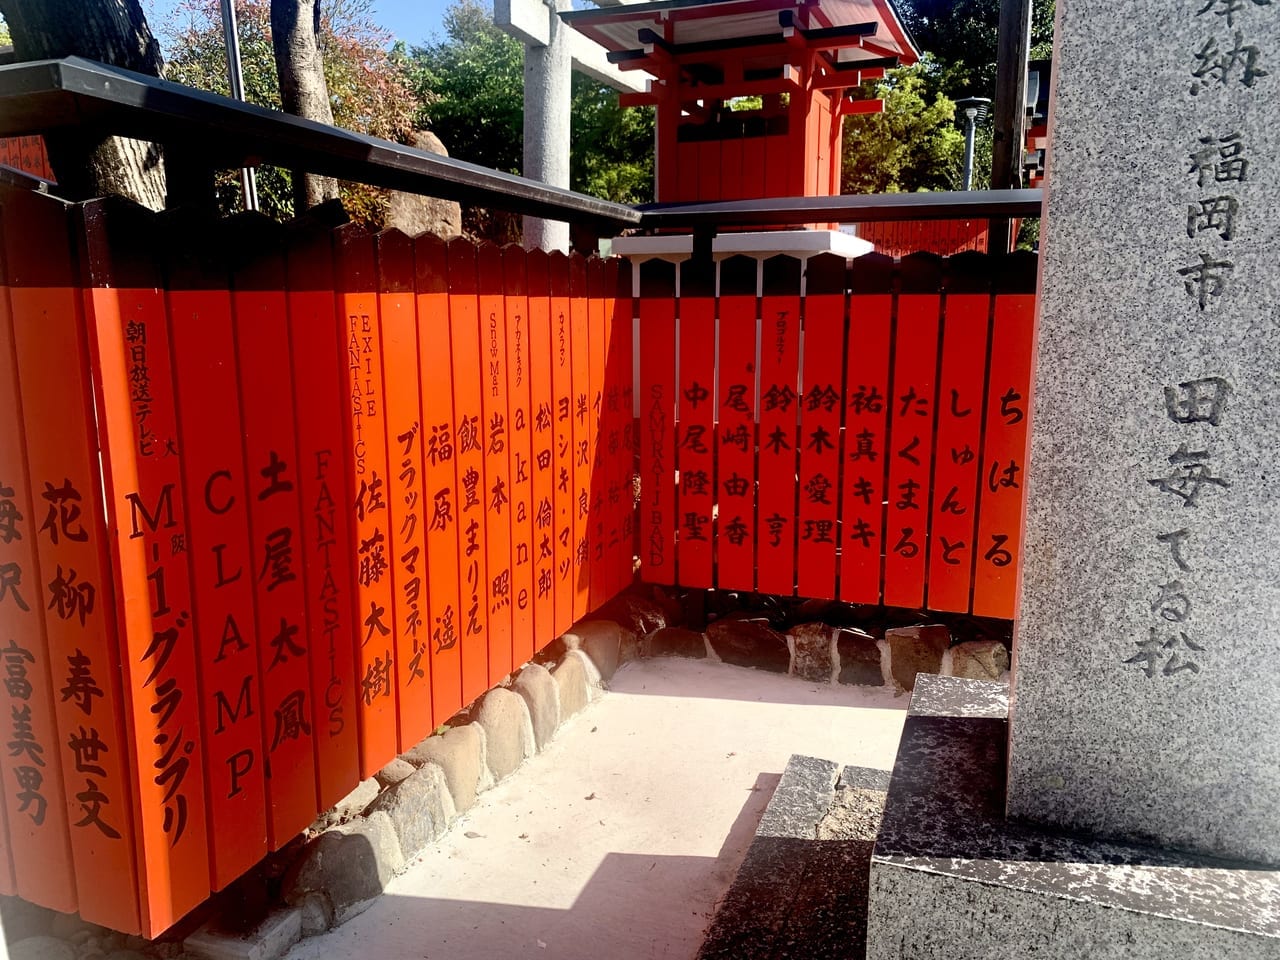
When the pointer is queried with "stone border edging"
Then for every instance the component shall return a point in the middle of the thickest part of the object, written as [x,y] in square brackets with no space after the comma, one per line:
[344,861]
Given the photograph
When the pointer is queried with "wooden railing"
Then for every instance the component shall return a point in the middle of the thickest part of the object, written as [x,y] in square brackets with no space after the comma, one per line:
[268,517]
[845,430]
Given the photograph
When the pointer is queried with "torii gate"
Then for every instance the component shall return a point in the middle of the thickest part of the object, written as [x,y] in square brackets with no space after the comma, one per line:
[551,51]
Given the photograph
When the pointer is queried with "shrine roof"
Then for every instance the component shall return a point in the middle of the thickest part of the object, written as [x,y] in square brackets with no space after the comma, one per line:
[707,26]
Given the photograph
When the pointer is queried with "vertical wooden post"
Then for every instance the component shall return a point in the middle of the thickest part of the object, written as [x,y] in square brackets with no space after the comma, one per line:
[1014,48]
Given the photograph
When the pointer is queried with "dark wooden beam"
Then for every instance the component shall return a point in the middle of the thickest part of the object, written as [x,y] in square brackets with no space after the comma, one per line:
[1010,109]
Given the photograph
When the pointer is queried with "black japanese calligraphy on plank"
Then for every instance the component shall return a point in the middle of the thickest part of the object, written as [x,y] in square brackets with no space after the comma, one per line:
[866,413]
[143,470]
[496,415]
[695,447]
[276,510]
[778,461]
[912,401]
[658,508]
[367,463]
[822,406]
[953,499]
[217,488]
[471,616]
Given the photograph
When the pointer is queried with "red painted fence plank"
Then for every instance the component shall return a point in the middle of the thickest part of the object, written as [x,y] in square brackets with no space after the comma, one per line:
[542,403]
[319,412]
[141,460]
[468,409]
[598,349]
[406,545]
[38,326]
[441,504]
[735,440]
[202,341]
[822,402]
[776,504]
[620,400]
[562,430]
[580,446]
[1006,441]
[657,422]
[496,495]
[365,462]
[953,503]
[695,433]
[275,517]
[519,363]
[866,449]
[912,407]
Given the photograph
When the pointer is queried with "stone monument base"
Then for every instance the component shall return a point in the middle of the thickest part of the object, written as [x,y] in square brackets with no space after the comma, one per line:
[952,879]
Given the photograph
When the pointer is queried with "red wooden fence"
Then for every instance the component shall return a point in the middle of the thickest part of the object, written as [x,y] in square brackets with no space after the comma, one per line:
[277,501]
[274,503]
[862,442]
[27,154]
[901,238]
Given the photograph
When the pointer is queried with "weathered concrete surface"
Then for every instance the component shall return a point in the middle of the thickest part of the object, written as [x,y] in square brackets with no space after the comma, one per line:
[953,879]
[42,948]
[629,875]
[279,931]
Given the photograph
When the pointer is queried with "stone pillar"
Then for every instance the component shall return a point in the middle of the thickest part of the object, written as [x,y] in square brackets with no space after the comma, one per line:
[1146,689]
[548,71]
[1125,805]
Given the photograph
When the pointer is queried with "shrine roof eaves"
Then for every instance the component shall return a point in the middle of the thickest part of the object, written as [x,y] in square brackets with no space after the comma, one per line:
[614,27]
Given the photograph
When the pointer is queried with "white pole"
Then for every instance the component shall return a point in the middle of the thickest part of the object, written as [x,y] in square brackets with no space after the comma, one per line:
[231,39]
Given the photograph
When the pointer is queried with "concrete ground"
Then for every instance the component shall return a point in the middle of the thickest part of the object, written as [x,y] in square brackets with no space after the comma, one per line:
[620,838]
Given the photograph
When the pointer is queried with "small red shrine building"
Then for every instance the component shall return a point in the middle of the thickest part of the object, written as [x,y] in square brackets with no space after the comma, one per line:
[800,57]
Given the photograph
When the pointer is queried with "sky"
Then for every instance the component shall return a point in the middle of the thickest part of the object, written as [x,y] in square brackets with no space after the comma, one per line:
[413,21]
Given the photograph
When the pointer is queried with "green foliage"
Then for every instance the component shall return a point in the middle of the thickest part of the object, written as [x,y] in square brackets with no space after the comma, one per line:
[612,154]
[913,145]
[367,88]
[470,88]
[962,36]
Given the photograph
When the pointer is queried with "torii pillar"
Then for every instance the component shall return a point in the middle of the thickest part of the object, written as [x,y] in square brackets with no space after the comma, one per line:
[548,74]
[552,50]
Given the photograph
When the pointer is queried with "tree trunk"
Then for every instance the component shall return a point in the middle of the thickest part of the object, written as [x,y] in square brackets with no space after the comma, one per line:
[295,37]
[109,31]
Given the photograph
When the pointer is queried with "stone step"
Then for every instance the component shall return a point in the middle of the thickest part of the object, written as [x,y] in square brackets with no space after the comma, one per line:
[801,891]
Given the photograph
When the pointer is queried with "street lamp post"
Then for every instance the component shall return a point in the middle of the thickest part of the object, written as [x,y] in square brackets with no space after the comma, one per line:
[973,109]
